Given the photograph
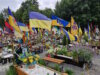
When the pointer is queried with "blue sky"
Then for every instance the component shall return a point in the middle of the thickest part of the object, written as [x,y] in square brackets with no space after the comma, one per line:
[15,4]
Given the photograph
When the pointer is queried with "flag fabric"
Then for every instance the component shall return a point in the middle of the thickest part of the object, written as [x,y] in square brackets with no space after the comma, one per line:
[38,20]
[66,33]
[88,31]
[79,31]
[7,30]
[32,30]
[61,31]
[72,38]
[22,26]
[60,21]
[69,24]
[76,38]
[69,36]
[54,23]
[74,27]
[13,22]
[85,32]
[17,34]
[8,26]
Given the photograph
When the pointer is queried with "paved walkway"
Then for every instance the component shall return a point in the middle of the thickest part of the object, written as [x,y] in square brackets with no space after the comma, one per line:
[95,70]
[4,68]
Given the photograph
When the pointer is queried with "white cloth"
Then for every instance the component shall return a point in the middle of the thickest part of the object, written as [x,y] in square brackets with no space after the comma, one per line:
[7,56]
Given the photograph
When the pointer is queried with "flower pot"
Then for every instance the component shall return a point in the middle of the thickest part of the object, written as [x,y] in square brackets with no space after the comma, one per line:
[31,66]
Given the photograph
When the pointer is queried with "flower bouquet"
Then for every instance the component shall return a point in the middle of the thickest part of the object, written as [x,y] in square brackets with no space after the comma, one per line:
[29,59]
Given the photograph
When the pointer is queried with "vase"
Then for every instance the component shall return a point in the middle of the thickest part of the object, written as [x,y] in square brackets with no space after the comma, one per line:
[31,66]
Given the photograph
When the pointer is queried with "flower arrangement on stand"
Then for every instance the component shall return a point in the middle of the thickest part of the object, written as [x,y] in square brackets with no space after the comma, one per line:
[29,60]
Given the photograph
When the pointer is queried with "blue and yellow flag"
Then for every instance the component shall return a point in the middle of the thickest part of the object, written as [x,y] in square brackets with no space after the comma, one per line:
[85,31]
[69,35]
[74,27]
[38,20]
[72,38]
[22,26]
[66,33]
[58,21]
[13,22]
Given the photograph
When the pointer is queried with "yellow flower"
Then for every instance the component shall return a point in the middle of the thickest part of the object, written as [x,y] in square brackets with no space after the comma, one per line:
[37,56]
[36,59]
[30,57]
[25,60]
[31,60]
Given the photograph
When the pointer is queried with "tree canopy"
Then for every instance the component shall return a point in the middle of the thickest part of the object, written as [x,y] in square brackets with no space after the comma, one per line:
[83,11]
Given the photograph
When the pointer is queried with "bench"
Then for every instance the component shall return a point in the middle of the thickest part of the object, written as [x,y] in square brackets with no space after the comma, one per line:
[58,61]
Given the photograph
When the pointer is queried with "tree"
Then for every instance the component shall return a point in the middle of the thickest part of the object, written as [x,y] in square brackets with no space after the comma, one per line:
[1,20]
[47,11]
[84,11]
[22,14]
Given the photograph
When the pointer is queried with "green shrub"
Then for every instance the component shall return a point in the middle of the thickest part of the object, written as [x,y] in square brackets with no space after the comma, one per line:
[75,54]
[11,71]
[70,72]
[62,51]
[85,54]
[64,40]
[57,68]
[85,38]
[42,62]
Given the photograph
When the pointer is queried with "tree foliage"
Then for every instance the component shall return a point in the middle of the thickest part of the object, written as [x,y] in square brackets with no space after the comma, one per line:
[84,11]
[1,20]
[22,14]
[48,12]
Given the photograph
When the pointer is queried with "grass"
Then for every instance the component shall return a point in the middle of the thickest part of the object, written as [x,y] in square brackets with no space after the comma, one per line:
[70,72]
[11,71]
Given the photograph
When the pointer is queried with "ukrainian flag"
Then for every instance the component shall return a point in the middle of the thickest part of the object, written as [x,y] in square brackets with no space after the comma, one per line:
[72,38]
[22,26]
[66,33]
[38,20]
[58,21]
[85,31]
[13,22]
[69,36]
[74,27]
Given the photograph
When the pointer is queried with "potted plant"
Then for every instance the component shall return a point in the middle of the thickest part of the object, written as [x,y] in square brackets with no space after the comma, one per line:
[70,72]
[11,71]
[30,60]
[64,40]
[57,67]
[42,62]
[75,55]
[62,51]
